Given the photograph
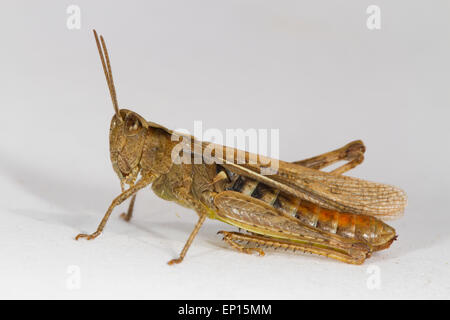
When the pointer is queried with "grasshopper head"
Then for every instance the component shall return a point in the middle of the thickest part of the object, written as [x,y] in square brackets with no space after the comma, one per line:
[128,134]
[127,130]
[126,141]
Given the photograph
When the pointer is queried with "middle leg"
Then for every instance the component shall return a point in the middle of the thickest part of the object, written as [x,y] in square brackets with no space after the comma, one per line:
[190,239]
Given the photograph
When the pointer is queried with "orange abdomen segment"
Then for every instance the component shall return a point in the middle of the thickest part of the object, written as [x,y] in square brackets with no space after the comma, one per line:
[349,225]
[355,226]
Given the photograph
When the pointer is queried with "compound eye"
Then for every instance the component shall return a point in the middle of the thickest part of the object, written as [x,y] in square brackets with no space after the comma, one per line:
[132,125]
[113,123]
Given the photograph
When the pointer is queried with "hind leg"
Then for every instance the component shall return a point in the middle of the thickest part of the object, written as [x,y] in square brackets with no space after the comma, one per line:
[352,256]
[233,240]
[352,152]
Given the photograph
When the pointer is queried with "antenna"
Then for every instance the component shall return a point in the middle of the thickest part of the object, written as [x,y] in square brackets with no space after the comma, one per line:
[108,72]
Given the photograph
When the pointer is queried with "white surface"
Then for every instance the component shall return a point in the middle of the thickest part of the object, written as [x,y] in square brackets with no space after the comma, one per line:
[311,69]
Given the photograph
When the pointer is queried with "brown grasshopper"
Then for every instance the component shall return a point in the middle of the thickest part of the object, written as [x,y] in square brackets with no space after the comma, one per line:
[298,207]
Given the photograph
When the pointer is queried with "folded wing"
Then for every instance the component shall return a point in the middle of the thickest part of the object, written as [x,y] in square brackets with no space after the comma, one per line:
[338,192]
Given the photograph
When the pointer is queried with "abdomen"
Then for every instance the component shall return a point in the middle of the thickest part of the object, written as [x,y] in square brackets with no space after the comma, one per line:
[356,226]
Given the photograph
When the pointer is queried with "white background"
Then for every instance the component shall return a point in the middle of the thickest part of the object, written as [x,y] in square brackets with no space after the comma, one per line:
[309,68]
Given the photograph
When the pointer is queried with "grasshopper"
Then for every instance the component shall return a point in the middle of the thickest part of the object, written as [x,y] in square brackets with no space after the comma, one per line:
[298,207]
